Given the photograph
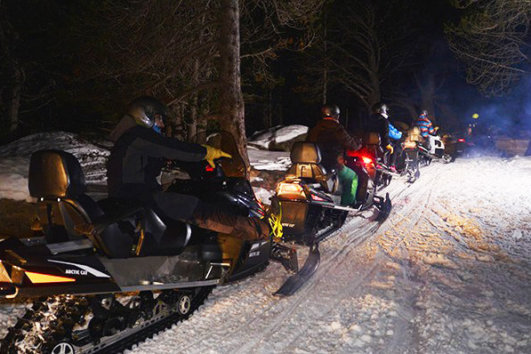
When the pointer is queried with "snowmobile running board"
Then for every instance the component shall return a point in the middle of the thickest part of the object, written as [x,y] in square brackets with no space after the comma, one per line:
[296,281]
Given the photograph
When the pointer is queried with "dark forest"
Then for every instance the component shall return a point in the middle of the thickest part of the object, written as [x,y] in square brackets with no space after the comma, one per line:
[74,65]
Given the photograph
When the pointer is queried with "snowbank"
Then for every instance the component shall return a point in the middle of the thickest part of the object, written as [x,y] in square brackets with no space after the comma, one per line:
[279,138]
[14,160]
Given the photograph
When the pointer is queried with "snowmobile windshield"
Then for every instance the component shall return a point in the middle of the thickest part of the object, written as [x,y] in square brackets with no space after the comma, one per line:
[223,140]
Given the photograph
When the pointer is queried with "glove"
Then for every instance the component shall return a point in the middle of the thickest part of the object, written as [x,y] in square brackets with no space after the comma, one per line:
[390,148]
[212,154]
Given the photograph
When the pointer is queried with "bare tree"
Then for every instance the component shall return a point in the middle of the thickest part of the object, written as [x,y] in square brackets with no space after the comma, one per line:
[489,39]
[12,74]
[362,43]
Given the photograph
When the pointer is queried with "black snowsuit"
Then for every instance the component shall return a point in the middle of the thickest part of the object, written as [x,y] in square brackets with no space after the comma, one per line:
[379,124]
[136,161]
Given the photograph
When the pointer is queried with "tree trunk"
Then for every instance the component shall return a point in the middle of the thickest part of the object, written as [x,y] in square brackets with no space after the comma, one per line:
[14,104]
[192,127]
[232,114]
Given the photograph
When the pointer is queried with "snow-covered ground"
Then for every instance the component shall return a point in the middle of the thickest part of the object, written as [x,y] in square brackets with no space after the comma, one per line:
[448,272]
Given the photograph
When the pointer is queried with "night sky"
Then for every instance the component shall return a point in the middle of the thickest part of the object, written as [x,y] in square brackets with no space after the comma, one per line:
[44,36]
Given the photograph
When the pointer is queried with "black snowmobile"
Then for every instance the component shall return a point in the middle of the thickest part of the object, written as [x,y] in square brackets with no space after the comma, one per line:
[108,274]
[308,199]
[373,159]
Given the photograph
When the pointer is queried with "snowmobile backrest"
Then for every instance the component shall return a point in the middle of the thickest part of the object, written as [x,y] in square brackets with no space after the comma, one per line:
[371,138]
[55,174]
[306,159]
[304,152]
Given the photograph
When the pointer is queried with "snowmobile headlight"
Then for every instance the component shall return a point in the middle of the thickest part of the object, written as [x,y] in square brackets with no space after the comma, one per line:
[290,190]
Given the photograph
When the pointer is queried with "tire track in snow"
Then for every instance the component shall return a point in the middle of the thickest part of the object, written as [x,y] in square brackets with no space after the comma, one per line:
[350,290]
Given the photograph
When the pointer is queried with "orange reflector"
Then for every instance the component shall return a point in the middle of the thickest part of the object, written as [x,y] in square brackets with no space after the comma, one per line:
[290,190]
[38,278]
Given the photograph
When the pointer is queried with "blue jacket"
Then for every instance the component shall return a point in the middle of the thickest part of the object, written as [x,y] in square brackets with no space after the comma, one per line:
[394,133]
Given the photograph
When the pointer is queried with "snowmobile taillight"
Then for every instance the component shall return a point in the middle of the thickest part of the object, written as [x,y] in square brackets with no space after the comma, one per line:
[461,140]
[366,160]
[318,198]
[290,190]
[39,278]
[209,168]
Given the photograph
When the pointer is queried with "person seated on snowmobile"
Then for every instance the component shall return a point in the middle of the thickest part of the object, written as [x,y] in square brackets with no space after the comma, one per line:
[137,157]
[426,127]
[332,139]
[394,138]
[379,123]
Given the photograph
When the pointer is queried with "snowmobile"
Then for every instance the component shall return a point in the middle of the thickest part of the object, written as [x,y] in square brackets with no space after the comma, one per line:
[433,149]
[308,199]
[410,160]
[378,170]
[109,273]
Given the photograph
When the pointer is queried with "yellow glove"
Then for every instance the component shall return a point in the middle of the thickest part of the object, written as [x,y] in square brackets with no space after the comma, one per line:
[212,154]
[390,148]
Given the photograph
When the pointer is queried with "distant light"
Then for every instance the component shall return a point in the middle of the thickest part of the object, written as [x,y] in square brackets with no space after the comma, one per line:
[475,116]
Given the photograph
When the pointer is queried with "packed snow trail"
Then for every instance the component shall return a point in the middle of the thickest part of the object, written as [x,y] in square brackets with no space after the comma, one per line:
[449,271]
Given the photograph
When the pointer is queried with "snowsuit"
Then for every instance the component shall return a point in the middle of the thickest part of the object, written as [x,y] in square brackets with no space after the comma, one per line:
[333,140]
[395,135]
[425,126]
[136,161]
[379,124]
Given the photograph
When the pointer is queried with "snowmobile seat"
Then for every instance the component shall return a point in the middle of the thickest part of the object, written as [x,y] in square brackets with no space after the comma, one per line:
[306,165]
[57,181]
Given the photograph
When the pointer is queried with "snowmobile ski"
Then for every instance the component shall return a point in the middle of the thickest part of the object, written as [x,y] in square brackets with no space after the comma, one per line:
[384,207]
[296,281]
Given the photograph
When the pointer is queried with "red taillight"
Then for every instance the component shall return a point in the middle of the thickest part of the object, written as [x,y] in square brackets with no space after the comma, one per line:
[461,140]
[318,198]
[209,168]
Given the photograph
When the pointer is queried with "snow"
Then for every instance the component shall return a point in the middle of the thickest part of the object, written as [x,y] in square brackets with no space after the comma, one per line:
[275,136]
[14,160]
[448,272]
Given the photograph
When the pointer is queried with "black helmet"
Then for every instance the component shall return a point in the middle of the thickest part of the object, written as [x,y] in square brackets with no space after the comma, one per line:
[330,110]
[143,110]
[380,107]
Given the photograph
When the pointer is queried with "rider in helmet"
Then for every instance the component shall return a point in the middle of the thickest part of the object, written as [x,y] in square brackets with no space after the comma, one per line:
[333,140]
[425,126]
[379,123]
[136,160]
